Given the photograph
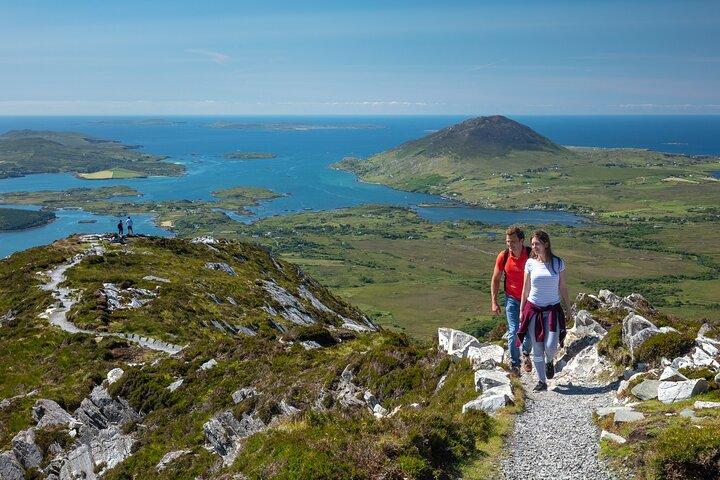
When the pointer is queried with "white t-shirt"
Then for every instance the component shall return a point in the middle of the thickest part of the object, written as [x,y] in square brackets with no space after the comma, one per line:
[544,284]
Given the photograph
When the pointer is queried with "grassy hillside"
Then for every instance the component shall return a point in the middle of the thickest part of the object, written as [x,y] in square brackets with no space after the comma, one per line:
[320,436]
[24,152]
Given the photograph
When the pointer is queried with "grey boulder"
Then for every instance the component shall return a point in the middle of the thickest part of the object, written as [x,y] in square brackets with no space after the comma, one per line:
[646,390]
[669,392]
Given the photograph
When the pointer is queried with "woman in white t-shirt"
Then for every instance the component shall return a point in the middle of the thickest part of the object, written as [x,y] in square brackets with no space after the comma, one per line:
[541,306]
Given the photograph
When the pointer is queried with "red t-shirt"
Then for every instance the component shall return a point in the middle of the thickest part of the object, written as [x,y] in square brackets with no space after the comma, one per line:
[514,272]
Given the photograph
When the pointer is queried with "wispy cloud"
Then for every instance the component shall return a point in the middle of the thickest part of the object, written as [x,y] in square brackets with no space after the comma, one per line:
[216,57]
[680,106]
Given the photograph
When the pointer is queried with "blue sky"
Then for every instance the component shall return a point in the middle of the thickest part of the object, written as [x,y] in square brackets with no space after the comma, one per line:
[314,57]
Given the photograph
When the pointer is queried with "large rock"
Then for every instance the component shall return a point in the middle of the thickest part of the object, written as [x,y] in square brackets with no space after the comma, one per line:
[646,390]
[25,449]
[669,392]
[636,330]
[585,324]
[491,400]
[220,266]
[456,343]
[587,367]
[243,394]
[48,413]
[347,393]
[487,379]
[100,411]
[487,356]
[114,375]
[10,468]
[610,300]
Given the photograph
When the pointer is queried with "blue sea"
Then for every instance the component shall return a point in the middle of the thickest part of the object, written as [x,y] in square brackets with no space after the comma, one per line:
[301,170]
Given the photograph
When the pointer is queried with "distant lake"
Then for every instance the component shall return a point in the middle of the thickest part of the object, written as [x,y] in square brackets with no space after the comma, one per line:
[303,156]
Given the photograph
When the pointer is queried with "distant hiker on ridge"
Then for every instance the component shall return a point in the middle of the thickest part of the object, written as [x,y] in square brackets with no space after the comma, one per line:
[511,264]
[129,224]
[543,318]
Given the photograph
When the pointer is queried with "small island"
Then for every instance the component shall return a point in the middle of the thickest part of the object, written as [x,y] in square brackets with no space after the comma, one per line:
[26,152]
[289,126]
[20,219]
[248,155]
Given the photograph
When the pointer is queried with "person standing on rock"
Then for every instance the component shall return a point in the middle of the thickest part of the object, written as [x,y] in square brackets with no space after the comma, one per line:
[543,318]
[120,228]
[510,263]
[129,224]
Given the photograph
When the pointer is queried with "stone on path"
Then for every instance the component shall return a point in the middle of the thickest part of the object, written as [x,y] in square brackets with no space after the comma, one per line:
[605,435]
[628,416]
[699,405]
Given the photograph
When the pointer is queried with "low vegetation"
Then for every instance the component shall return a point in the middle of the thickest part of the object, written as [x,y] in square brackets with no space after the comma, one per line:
[20,219]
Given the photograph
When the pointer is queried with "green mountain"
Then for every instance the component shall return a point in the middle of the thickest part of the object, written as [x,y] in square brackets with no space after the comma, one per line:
[480,137]
[455,157]
[184,359]
[497,162]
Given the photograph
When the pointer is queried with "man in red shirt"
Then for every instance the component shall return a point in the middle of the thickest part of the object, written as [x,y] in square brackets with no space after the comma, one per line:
[511,264]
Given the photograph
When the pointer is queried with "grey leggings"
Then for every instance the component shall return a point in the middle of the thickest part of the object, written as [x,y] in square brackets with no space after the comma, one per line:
[543,352]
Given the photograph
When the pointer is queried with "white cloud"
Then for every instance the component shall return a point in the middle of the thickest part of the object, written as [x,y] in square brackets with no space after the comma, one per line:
[216,57]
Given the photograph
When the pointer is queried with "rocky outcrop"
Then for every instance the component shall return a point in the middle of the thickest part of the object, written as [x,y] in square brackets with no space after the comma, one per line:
[10,468]
[8,319]
[636,330]
[117,298]
[491,381]
[221,266]
[48,413]
[25,449]
[96,427]
[579,362]
[224,433]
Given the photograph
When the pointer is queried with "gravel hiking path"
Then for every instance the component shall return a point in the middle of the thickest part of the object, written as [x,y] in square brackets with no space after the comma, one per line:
[65,299]
[555,436]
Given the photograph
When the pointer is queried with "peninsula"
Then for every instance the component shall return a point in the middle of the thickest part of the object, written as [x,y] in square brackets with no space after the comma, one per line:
[498,162]
[20,219]
[25,152]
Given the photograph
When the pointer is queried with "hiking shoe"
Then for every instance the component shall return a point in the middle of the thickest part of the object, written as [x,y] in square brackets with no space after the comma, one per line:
[549,370]
[515,371]
[526,362]
[540,387]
